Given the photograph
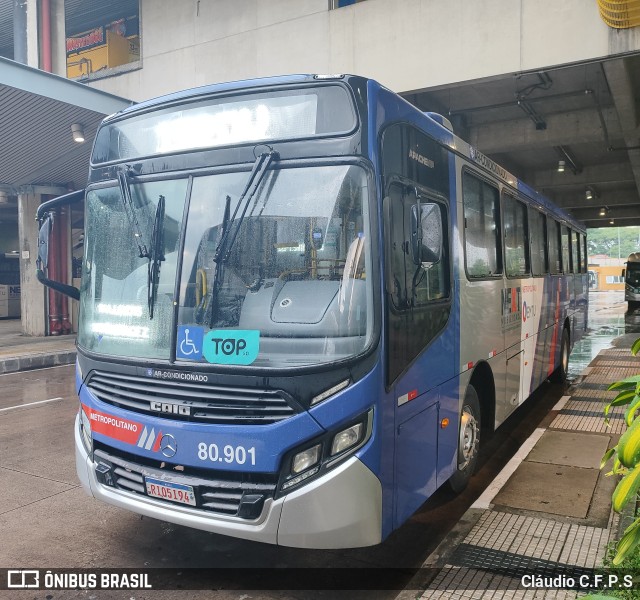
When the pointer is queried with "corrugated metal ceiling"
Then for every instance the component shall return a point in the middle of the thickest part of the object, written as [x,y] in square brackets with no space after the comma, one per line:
[37,110]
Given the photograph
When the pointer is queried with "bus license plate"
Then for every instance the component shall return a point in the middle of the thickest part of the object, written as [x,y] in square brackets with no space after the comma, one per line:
[165,490]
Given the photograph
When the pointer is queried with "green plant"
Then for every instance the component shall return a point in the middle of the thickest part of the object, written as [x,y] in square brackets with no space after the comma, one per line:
[626,458]
[629,565]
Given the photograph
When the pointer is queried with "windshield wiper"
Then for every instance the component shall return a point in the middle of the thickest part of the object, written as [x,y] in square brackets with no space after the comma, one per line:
[129,211]
[230,228]
[230,232]
[156,256]
[154,250]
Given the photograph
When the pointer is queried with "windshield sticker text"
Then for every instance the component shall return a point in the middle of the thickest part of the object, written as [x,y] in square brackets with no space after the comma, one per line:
[177,375]
[231,347]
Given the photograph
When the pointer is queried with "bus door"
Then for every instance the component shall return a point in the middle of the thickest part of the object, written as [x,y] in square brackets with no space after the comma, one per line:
[519,304]
[418,358]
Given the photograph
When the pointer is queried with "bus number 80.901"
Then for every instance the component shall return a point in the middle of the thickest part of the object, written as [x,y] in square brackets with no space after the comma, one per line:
[229,454]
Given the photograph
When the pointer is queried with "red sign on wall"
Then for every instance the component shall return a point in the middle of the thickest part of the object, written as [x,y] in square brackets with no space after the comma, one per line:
[87,40]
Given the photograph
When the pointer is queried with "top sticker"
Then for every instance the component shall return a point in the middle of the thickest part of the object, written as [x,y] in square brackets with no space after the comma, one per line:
[231,346]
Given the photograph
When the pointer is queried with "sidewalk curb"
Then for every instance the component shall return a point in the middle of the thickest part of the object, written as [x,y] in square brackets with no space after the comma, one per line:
[29,362]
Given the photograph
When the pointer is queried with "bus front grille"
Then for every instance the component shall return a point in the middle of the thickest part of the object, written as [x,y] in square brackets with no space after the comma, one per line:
[221,493]
[195,402]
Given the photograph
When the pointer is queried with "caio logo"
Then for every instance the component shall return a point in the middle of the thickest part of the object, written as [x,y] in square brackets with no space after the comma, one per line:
[231,346]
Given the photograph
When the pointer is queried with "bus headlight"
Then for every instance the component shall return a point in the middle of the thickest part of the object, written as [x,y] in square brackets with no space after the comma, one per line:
[85,431]
[347,438]
[303,465]
[305,459]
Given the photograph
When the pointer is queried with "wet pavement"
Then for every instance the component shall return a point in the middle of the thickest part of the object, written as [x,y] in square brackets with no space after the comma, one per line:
[609,325]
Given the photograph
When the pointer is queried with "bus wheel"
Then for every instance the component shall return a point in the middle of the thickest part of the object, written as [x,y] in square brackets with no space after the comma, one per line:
[468,441]
[560,374]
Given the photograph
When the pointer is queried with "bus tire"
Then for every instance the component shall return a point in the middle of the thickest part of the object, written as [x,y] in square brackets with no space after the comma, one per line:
[560,374]
[468,441]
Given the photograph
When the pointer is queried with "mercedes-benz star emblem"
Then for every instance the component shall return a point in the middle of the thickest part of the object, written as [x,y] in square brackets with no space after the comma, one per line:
[168,445]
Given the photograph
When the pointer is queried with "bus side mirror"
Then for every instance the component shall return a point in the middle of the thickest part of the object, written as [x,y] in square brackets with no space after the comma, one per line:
[45,216]
[426,234]
[624,271]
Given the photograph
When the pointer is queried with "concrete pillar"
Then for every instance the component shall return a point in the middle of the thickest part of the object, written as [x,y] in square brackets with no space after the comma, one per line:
[20,31]
[33,33]
[58,39]
[32,292]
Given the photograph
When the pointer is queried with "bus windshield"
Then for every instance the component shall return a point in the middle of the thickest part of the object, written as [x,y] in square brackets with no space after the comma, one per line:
[632,277]
[292,280]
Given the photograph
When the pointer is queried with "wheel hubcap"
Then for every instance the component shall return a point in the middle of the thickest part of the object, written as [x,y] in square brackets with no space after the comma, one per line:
[468,438]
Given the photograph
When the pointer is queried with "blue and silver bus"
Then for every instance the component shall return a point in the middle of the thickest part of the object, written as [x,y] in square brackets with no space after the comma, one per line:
[303,304]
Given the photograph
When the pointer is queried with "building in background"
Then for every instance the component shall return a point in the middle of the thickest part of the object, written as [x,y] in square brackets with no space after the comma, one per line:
[605,273]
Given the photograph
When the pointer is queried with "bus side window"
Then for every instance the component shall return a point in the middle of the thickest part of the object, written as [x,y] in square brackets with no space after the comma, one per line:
[516,242]
[483,254]
[411,284]
[566,249]
[538,238]
[575,245]
[553,238]
[396,281]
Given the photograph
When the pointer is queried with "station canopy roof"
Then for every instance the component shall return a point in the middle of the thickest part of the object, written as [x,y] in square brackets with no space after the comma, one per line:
[37,110]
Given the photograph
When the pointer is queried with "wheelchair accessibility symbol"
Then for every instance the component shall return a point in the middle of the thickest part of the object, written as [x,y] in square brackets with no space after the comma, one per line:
[189,343]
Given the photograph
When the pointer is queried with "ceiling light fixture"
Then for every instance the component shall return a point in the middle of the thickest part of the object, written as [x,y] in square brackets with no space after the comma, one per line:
[567,160]
[589,194]
[603,211]
[77,132]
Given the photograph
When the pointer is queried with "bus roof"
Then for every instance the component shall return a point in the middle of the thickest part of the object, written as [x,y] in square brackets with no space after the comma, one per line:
[430,123]
[216,88]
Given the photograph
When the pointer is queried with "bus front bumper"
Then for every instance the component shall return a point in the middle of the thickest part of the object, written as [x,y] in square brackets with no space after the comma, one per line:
[342,509]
